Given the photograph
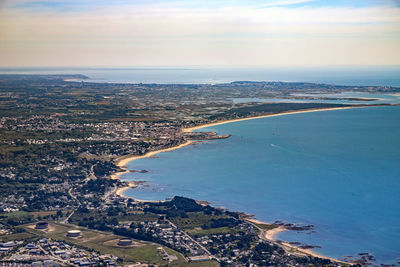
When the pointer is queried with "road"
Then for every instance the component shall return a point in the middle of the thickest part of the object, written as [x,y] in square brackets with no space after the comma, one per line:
[194,241]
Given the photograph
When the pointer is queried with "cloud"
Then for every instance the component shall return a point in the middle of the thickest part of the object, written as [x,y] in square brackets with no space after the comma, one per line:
[157,21]
[157,33]
[287,2]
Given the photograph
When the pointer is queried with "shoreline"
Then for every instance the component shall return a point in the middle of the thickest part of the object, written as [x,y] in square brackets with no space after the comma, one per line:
[188,130]
[268,234]
[271,234]
[121,162]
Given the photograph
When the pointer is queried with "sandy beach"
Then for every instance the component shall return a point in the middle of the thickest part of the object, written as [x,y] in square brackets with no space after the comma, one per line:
[117,174]
[188,130]
[268,234]
[120,191]
[124,160]
[271,236]
[302,251]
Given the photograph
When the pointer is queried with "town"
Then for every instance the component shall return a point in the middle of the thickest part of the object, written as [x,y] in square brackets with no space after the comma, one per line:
[60,142]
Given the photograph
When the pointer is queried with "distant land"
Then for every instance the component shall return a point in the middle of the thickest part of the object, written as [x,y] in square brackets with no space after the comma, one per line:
[339,75]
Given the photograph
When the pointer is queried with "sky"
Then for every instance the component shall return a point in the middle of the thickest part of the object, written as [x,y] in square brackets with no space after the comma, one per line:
[232,33]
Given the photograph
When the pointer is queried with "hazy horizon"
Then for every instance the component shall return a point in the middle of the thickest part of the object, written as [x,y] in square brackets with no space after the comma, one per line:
[127,67]
[174,33]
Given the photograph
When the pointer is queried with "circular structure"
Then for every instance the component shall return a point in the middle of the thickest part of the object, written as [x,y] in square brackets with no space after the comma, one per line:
[42,225]
[74,233]
[125,242]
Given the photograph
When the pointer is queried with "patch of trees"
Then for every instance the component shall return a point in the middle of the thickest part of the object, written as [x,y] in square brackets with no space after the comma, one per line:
[98,225]
[99,185]
[103,168]
[18,220]
[177,207]
[220,222]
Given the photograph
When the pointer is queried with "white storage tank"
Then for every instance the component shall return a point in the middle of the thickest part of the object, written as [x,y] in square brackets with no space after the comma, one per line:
[125,242]
[74,233]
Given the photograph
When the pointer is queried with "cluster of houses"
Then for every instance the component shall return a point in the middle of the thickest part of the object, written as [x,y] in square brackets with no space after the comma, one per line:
[225,246]
[170,235]
[8,246]
[11,203]
[109,139]
[105,131]
[46,252]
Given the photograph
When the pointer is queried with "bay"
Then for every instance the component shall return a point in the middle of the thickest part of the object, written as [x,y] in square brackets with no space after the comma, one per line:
[338,170]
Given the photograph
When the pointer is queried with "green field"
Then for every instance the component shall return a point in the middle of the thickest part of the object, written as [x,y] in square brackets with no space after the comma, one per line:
[265,226]
[106,243]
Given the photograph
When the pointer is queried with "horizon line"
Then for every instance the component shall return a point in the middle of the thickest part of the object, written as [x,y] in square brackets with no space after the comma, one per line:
[197,66]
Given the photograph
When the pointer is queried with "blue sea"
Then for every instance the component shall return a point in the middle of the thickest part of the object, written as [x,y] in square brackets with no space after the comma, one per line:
[357,75]
[337,170]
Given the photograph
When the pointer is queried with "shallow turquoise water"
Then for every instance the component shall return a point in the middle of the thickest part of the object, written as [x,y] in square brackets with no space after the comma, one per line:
[338,170]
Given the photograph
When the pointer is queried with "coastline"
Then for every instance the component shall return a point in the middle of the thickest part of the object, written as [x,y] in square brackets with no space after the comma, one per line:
[188,130]
[267,234]
[271,234]
[121,162]
[309,252]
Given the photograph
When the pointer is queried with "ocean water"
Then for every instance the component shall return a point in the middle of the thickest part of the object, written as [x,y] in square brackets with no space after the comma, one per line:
[337,170]
[388,76]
